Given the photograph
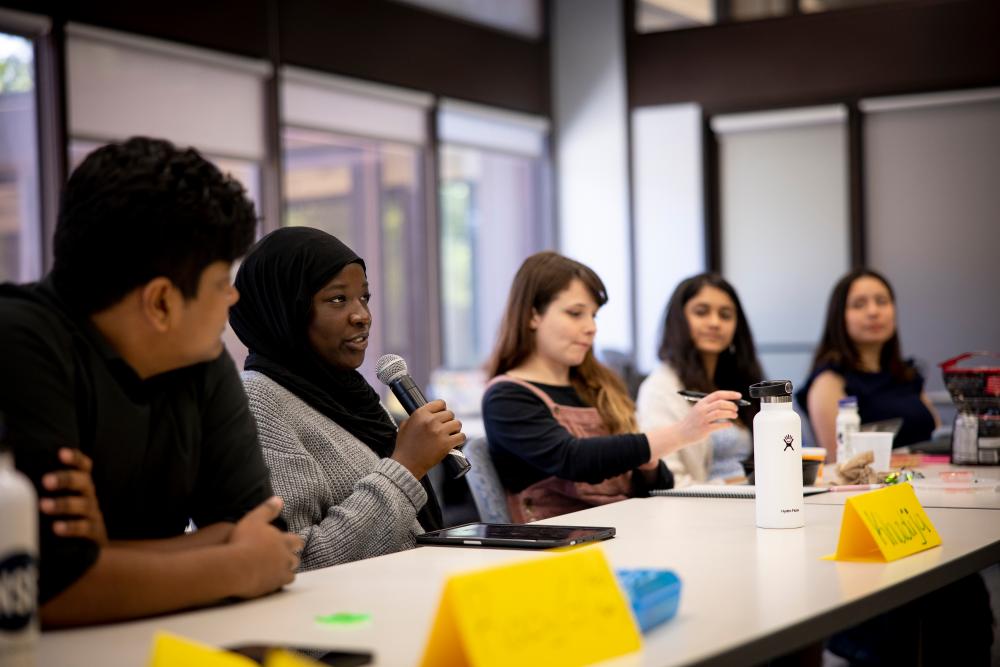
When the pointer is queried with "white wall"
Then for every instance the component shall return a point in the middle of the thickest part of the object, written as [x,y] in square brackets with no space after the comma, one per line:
[933,227]
[668,190]
[590,111]
[785,228]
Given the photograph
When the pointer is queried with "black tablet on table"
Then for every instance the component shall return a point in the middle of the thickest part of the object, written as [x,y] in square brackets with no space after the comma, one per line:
[529,535]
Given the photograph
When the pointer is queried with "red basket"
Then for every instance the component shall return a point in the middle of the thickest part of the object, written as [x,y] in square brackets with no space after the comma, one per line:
[975,381]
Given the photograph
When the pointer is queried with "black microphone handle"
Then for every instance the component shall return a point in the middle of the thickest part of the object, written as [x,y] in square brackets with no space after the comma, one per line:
[411,398]
[408,393]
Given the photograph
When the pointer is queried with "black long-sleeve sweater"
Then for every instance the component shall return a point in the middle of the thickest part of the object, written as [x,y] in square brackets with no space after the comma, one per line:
[527,444]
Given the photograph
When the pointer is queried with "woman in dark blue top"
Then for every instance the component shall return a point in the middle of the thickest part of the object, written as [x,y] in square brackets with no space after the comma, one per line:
[859,355]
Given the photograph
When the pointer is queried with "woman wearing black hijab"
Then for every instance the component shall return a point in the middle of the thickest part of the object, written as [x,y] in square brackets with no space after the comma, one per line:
[354,487]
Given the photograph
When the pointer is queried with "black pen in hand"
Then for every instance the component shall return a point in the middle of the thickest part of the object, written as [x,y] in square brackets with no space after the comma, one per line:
[695,396]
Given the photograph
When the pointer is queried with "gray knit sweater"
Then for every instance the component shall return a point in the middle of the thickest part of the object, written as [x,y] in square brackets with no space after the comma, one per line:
[340,497]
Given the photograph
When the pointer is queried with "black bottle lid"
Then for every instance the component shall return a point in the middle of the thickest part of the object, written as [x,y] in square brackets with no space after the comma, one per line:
[771,388]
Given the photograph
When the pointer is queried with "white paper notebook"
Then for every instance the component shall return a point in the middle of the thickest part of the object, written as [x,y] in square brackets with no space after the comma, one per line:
[723,491]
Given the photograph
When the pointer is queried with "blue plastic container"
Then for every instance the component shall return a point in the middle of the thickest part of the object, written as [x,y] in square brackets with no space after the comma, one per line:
[654,595]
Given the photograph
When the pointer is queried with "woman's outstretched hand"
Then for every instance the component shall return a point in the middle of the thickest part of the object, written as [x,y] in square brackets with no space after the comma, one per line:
[712,413]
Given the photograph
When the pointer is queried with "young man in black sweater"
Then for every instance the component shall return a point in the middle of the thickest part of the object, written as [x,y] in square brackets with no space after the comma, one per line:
[117,354]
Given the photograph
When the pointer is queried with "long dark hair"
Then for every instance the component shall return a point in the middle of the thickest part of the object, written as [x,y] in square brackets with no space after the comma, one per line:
[736,370]
[537,283]
[836,347]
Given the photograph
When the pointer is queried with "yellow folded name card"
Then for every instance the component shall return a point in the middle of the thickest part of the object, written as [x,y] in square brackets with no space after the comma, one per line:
[560,610]
[173,651]
[170,650]
[884,525]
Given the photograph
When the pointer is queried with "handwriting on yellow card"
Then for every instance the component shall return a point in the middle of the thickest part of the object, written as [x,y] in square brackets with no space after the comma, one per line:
[561,610]
[884,525]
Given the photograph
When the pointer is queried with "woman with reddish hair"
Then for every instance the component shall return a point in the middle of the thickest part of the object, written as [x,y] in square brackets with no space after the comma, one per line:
[561,427]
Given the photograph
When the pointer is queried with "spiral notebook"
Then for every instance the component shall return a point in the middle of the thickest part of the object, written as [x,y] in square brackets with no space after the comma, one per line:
[723,491]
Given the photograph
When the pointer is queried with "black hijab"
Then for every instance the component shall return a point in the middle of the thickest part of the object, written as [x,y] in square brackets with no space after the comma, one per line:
[277,282]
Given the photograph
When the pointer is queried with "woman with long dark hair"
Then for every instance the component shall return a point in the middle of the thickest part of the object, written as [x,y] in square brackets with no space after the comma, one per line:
[561,427]
[705,345]
[354,485]
[859,355]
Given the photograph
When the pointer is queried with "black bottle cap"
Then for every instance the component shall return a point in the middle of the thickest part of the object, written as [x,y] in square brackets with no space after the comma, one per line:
[771,388]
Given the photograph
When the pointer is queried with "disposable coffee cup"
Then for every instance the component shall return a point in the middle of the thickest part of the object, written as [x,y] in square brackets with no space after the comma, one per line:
[878,443]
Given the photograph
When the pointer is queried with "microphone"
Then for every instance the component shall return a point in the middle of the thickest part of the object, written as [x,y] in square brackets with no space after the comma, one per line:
[391,370]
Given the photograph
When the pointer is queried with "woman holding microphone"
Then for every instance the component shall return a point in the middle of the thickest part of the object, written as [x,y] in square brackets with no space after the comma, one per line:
[354,484]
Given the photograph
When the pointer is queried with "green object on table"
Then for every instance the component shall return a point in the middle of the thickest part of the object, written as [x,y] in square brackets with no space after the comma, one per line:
[343,618]
[901,476]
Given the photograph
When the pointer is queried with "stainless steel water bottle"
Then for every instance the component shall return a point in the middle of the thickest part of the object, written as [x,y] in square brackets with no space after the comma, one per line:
[777,453]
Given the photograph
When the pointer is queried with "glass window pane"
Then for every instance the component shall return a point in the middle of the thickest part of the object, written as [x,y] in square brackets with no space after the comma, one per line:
[367,193]
[400,208]
[660,15]
[325,183]
[20,218]
[492,217]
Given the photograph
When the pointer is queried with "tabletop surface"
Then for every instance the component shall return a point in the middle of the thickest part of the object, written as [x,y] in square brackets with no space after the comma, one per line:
[747,593]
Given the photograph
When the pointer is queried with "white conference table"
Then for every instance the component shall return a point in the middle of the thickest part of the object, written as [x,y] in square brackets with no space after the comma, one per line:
[748,594]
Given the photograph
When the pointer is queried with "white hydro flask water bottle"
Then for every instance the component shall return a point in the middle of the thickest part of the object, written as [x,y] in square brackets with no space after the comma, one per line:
[777,454]
[18,564]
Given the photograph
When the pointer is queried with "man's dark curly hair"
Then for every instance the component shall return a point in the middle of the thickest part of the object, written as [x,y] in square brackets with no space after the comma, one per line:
[141,209]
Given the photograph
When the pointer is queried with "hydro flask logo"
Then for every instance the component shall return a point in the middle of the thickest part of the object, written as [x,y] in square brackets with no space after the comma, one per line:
[788,443]
[18,591]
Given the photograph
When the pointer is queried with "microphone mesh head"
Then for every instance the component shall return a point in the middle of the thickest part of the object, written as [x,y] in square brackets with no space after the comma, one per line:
[390,367]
